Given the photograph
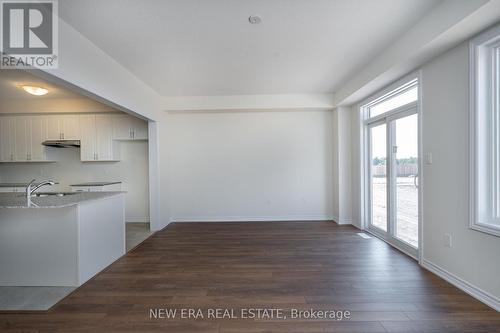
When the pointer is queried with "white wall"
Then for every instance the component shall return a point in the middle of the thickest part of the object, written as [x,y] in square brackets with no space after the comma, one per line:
[132,170]
[272,165]
[342,165]
[356,180]
[474,255]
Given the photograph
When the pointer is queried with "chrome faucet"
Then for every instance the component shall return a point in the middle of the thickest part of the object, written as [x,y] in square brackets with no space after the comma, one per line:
[30,191]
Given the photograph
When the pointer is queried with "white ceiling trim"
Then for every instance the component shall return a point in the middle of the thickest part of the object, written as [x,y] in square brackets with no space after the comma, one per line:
[446,26]
[250,102]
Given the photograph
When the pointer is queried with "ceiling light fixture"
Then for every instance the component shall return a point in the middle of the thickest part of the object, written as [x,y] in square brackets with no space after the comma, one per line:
[254,19]
[37,91]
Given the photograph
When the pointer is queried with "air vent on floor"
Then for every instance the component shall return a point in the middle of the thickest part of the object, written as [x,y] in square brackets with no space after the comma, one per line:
[363,235]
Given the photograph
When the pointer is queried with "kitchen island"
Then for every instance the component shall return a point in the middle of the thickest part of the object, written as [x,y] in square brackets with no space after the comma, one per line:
[59,240]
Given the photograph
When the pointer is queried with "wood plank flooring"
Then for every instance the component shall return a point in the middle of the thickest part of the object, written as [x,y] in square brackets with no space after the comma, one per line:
[285,265]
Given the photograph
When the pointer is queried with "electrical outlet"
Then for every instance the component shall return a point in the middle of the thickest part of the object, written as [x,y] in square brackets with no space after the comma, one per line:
[447,240]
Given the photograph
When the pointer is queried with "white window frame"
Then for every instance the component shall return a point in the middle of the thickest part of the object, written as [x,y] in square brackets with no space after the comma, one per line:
[484,132]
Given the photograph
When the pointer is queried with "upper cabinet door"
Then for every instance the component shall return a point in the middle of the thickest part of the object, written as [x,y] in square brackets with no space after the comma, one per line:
[127,127]
[104,137]
[70,126]
[54,132]
[88,138]
[38,135]
[139,129]
[6,139]
[22,138]
[63,127]
[122,127]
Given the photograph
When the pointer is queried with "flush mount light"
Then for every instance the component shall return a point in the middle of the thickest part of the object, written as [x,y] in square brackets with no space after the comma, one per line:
[37,91]
[254,19]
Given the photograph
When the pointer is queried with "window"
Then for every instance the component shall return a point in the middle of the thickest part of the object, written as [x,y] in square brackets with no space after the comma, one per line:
[403,98]
[485,132]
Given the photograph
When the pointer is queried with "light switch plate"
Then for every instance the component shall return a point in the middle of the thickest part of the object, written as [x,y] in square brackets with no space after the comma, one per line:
[447,240]
[428,158]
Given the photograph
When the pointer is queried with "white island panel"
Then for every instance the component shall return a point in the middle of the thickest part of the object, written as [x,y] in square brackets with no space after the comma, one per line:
[59,241]
[101,234]
[38,247]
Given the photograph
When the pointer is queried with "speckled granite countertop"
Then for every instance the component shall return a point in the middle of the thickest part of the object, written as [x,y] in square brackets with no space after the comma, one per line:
[96,184]
[18,200]
[17,184]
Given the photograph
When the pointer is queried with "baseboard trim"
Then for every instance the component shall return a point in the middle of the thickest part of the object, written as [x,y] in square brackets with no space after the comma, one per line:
[251,218]
[137,220]
[344,221]
[481,295]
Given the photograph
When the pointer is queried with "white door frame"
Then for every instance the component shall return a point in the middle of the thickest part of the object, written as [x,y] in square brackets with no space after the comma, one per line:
[364,171]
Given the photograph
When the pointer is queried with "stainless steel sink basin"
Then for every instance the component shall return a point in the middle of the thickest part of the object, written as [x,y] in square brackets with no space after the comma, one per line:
[54,194]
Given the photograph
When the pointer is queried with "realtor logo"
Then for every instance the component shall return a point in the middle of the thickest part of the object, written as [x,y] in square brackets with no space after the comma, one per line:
[28,34]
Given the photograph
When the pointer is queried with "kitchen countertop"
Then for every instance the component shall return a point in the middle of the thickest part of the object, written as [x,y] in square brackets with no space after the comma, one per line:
[18,200]
[96,184]
[17,184]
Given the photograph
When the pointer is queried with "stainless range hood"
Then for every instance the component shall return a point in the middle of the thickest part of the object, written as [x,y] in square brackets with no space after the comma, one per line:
[62,143]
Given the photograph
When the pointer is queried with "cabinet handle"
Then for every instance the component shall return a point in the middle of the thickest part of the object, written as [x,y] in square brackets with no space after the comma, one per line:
[11,157]
[133,134]
[62,134]
[130,134]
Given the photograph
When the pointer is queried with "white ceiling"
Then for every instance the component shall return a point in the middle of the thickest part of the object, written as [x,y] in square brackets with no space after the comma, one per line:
[208,48]
[12,80]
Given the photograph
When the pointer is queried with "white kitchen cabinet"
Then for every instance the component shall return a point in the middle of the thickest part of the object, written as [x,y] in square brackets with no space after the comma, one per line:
[70,127]
[21,139]
[63,127]
[7,139]
[53,131]
[104,137]
[97,142]
[29,132]
[121,127]
[126,127]
[38,135]
[88,138]
[139,129]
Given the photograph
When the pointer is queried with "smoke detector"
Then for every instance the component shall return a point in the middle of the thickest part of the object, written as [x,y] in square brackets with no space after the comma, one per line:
[254,19]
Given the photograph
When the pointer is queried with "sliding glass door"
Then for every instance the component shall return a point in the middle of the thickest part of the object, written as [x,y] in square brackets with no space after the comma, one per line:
[392,159]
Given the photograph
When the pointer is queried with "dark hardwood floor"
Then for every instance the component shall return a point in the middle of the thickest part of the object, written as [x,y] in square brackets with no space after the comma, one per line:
[287,265]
